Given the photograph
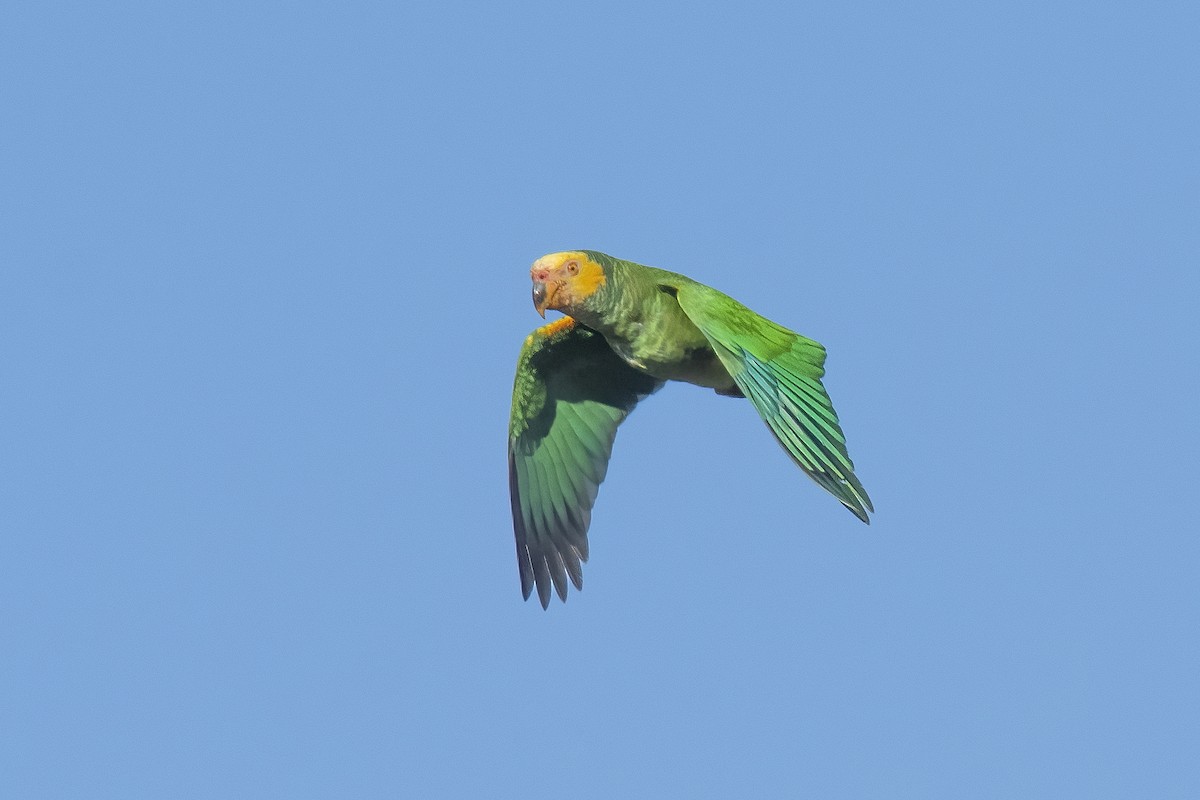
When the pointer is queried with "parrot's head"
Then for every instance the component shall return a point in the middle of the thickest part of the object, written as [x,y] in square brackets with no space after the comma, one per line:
[563,281]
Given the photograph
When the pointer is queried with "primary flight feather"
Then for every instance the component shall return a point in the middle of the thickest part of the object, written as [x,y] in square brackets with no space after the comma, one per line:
[628,329]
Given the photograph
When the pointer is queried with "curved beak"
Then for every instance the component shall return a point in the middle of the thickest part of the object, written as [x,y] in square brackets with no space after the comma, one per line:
[543,296]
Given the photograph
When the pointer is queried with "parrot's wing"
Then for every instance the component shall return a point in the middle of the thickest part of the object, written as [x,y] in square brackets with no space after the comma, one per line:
[780,372]
[570,394]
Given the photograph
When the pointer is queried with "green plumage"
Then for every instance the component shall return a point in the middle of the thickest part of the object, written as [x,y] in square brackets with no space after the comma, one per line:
[571,393]
[636,327]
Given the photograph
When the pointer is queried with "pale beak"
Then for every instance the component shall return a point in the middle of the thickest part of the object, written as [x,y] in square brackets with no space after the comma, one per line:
[543,296]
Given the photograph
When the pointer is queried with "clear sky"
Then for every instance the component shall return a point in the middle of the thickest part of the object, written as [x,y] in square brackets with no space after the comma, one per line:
[263,280]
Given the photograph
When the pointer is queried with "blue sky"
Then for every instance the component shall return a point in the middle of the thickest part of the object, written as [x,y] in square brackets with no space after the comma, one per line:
[263,279]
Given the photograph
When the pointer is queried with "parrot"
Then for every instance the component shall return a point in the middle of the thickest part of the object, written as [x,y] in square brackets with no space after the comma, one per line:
[627,329]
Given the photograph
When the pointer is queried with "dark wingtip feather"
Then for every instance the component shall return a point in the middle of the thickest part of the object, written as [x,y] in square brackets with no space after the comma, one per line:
[526,583]
[862,503]
[541,576]
[859,512]
[574,565]
[558,573]
[524,567]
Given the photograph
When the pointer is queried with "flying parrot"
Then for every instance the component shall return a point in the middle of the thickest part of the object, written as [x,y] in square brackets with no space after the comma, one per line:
[628,329]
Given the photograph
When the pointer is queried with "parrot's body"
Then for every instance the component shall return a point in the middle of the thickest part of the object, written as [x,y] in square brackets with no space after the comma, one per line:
[630,328]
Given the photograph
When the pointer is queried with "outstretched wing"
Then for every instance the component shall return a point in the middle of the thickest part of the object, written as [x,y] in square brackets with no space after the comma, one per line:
[780,372]
[570,394]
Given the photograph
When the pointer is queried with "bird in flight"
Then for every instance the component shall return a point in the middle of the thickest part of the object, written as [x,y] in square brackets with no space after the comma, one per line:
[627,330]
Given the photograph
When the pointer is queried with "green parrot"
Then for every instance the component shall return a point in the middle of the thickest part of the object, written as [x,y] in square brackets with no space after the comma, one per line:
[628,329]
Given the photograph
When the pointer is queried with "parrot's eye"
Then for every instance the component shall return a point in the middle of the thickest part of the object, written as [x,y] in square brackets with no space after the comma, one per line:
[572,267]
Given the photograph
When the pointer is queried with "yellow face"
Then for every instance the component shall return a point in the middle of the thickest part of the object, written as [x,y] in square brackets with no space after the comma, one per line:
[563,280]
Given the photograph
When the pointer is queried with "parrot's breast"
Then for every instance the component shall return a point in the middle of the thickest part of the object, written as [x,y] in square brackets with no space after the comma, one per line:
[667,345]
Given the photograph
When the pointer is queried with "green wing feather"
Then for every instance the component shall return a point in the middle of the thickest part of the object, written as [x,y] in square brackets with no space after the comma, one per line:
[780,372]
[570,394]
